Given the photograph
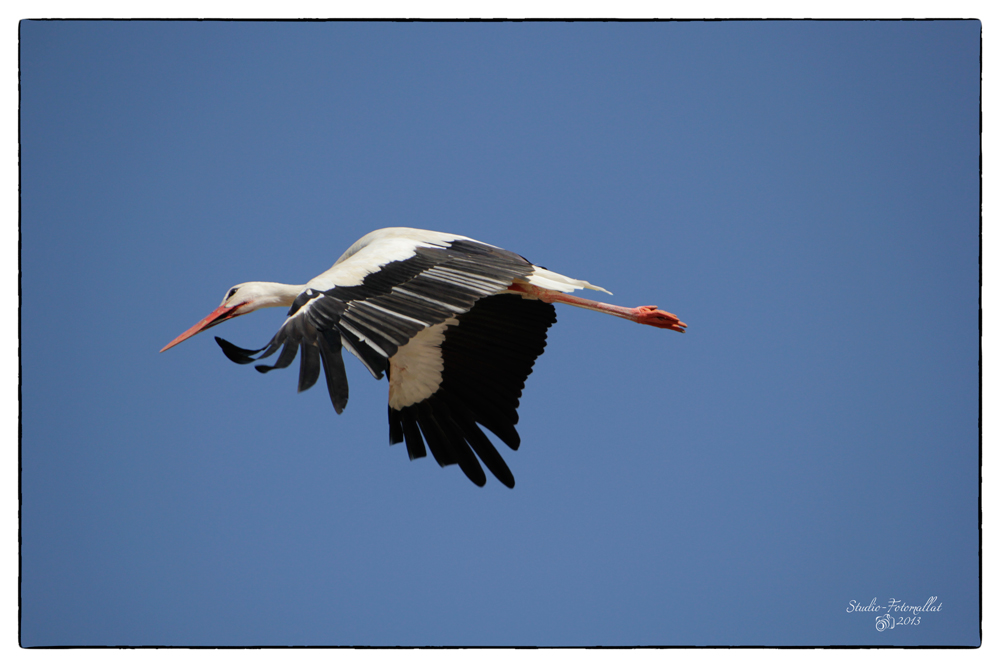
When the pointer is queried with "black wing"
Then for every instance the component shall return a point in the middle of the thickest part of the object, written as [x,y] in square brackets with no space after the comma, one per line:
[489,348]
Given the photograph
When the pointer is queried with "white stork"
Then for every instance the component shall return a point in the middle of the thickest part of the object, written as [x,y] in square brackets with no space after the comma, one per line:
[456,325]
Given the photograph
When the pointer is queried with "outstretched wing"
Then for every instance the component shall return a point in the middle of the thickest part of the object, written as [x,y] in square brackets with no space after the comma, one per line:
[457,350]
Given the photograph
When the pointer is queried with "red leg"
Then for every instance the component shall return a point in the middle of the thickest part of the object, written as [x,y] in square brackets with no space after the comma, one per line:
[643,314]
[658,318]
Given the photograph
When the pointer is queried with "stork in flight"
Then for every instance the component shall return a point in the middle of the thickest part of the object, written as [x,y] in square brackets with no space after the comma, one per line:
[455,324]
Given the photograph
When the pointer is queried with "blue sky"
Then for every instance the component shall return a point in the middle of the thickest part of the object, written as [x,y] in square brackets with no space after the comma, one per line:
[803,195]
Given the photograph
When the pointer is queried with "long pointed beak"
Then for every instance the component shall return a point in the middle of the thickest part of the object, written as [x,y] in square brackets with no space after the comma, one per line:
[220,314]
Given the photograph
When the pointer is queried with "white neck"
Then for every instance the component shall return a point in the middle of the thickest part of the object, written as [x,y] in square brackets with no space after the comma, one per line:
[256,295]
[279,294]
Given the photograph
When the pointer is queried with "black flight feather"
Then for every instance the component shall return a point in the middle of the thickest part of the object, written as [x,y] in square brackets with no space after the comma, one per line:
[237,354]
[333,367]
[309,368]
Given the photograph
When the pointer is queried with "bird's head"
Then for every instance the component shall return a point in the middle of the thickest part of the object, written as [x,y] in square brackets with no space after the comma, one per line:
[240,300]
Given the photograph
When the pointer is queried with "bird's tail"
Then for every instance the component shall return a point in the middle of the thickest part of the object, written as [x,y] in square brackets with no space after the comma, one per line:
[555,281]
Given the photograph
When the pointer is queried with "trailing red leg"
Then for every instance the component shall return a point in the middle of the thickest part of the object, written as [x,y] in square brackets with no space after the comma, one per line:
[650,315]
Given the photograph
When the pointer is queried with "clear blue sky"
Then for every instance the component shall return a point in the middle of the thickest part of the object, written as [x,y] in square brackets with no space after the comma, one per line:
[804,195]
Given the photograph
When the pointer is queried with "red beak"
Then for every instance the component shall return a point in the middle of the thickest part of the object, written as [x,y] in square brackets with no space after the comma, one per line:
[220,314]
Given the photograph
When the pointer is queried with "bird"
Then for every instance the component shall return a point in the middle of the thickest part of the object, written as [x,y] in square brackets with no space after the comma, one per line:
[455,324]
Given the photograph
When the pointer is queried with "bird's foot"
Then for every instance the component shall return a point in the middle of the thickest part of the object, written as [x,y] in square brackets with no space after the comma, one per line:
[660,319]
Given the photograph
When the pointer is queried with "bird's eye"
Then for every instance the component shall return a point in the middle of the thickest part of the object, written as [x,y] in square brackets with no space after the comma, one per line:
[231,293]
